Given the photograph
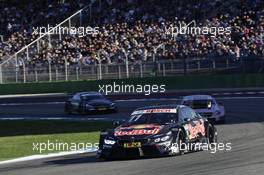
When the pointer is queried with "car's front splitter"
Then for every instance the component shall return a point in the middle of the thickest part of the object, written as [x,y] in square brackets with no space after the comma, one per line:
[118,152]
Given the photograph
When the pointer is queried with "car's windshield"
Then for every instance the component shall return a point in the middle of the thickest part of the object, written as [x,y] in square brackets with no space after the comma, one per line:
[199,104]
[92,97]
[153,118]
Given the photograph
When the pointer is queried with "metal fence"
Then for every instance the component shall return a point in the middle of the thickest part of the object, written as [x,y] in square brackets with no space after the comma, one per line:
[67,72]
[16,63]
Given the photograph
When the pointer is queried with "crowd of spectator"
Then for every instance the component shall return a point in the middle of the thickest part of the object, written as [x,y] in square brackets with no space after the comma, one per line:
[18,18]
[136,28]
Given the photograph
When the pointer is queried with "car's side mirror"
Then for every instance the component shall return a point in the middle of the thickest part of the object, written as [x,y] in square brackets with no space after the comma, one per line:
[187,119]
[118,123]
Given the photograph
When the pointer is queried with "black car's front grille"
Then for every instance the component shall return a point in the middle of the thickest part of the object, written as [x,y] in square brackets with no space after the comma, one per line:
[125,153]
[101,107]
[120,152]
[206,114]
[150,150]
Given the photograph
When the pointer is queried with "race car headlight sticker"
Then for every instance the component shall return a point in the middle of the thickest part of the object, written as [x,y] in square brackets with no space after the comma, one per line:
[109,142]
[157,140]
[163,139]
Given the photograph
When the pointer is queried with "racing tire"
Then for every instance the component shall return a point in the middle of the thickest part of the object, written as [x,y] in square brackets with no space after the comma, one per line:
[176,146]
[211,137]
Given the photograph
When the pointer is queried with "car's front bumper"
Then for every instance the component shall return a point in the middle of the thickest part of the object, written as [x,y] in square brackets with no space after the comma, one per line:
[118,151]
[100,110]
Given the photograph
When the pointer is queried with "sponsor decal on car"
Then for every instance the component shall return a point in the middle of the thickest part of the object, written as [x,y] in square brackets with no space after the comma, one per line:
[197,128]
[138,130]
[143,126]
[154,111]
[132,145]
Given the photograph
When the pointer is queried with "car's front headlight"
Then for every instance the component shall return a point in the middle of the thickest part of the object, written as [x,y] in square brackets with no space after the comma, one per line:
[109,142]
[89,106]
[217,112]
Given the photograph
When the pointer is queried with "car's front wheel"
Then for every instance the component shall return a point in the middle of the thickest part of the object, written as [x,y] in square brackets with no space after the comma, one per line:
[177,145]
[211,134]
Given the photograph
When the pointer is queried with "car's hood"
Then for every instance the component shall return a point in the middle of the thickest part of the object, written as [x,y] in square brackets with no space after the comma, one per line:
[99,102]
[138,131]
[202,110]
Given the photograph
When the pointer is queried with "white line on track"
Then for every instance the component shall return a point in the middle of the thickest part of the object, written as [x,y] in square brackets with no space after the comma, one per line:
[52,155]
[128,100]
[50,103]
[32,95]
[239,98]
[250,93]
[238,93]
[56,118]
[24,104]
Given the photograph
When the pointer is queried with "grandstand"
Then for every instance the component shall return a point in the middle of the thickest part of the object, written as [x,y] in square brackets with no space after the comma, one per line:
[132,38]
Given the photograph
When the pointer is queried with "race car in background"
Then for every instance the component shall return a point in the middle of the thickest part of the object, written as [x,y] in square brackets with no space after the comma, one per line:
[206,106]
[88,102]
[156,131]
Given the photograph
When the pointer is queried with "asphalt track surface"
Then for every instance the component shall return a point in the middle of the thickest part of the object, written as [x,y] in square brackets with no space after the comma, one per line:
[244,130]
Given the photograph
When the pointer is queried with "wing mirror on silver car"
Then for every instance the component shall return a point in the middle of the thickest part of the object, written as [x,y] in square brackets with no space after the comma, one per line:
[187,119]
[118,122]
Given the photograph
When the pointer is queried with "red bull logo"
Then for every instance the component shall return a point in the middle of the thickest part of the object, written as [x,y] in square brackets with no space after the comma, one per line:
[135,131]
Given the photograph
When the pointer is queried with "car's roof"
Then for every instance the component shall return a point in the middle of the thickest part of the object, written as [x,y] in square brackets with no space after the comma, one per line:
[171,106]
[198,97]
[87,93]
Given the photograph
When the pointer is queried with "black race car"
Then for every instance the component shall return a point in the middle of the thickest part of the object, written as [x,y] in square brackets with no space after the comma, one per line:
[89,102]
[157,131]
